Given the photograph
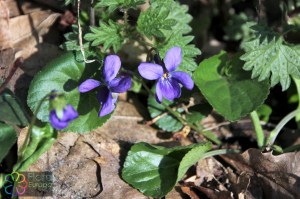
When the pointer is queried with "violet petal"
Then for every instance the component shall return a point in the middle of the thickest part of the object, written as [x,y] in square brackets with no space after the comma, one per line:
[112,65]
[88,85]
[69,113]
[120,84]
[173,58]
[170,88]
[158,92]
[150,71]
[184,79]
[56,122]
[106,100]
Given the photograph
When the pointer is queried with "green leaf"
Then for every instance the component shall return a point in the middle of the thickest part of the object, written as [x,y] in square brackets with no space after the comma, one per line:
[154,170]
[228,88]
[72,43]
[189,51]
[166,121]
[153,21]
[72,40]
[192,157]
[41,139]
[65,74]
[264,112]
[11,110]
[136,84]
[109,35]
[179,14]
[198,112]
[67,2]
[114,4]
[8,138]
[111,4]
[268,55]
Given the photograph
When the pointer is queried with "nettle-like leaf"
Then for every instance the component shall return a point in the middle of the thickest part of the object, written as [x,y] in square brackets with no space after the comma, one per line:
[179,14]
[173,12]
[112,5]
[110,35]
[228,88]
[72,40]
[65,74]
[189,51]
[268,55]
[153,21]
[154,170]
[72,43]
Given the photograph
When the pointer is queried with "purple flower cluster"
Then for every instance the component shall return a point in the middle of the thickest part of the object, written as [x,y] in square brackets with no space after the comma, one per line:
[69,114]
[110,87]
[168,80]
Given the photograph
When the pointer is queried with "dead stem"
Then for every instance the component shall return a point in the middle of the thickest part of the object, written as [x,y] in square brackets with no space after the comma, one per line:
[80,35]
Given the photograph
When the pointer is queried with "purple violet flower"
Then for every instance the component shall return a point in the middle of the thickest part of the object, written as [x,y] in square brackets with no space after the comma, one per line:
[111,85]
[168,79]
[69,114]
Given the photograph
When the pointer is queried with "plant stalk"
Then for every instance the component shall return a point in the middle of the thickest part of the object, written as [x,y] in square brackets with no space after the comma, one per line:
[206,134]
[33,120]
[273,135]
[219,152]
[258,129]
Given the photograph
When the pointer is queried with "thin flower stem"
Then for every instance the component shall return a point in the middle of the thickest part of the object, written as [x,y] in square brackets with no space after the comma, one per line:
[219,152]
[206,134]
[273,135]
[297,83]
[33,120]
[258,129]
[126,18]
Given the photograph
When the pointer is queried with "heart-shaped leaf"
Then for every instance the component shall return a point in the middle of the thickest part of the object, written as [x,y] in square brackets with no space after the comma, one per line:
[228,88]
[166,121]
[65,74]
[154,170]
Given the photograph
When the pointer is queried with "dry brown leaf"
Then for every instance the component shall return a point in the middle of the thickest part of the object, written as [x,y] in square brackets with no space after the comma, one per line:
[212,194]
[17,7]
[188,191]
[4,26]
[22,36]
[25,29]
[264,175]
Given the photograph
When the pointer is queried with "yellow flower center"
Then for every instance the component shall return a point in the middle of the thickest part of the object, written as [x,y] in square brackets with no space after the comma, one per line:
[166,75]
